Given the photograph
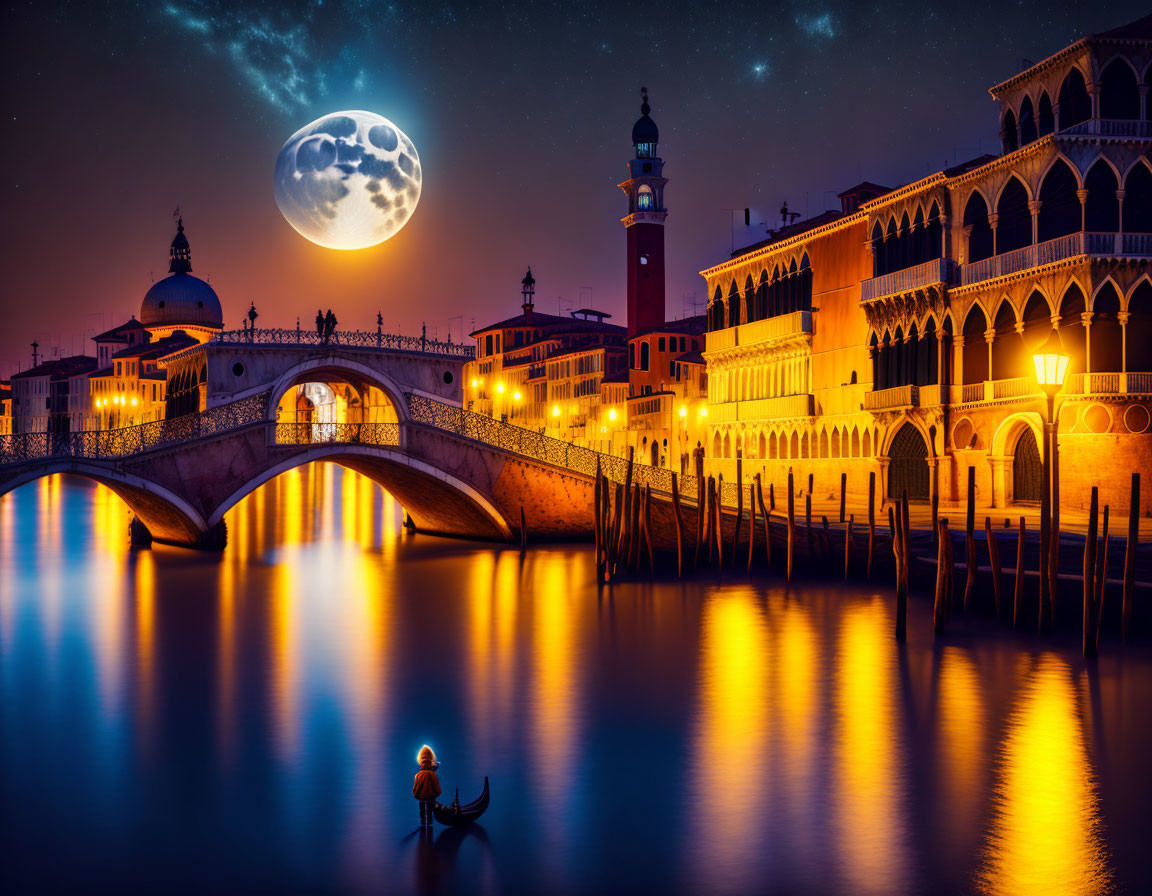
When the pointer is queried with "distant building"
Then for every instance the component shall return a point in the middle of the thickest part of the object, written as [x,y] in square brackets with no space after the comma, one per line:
[52,397]
[5,408]
[894,336]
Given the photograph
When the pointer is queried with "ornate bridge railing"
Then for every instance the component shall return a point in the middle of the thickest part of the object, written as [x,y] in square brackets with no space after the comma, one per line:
[127,440]
[356,338]
[544,448]
[338,433]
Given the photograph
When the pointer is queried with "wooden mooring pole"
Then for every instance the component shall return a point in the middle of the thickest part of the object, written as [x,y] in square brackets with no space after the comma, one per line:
[1130,552]
[701,502]
[939,610]
[791,523]
[1102,574]
[994,559]
[1089,576]
[767,520]
[1018,588]
[848,545]
[808,525]
[871,520]
[752,521]
[843,494]
[676,523]
[970,539]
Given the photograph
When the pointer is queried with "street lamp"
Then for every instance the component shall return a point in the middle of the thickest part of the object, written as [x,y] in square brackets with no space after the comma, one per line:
[1051,363]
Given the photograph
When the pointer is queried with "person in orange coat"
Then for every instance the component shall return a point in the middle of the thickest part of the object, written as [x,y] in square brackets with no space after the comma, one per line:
[426,787]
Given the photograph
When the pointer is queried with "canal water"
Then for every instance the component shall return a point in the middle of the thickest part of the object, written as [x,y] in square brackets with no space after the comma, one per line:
[173,721]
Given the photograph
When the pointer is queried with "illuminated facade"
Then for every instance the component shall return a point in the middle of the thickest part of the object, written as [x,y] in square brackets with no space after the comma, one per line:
[895,335]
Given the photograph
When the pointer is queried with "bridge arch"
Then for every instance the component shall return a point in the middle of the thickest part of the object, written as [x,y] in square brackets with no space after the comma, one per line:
[168,516]
[438,502]
[331,366]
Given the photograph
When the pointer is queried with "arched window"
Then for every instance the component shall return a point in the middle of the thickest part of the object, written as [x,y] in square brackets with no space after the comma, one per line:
[835,443]
[904,243]
[794,446]
[716,311]
[727,445]
[877,363]
[1008,136]
[645,199]
[1014,228]
[975,352]
[774,293]
[1140,330]
[929,352]
[891,249]
[1138,200]
[644,355]
[1027,122]
[924,351]
[733,305]
[980,235]
[946,354]
[896,358]
[1045,121]
[866,445]
[804,285]
[1007,347]
[919,253]
[823,443]
[935,233]
[855,442]
[1060,206]
[1102,210]
[762,297]
[1105,334]
[1119,91]
[1075,106]
[878,268]
[1073,334]
[749,299]
[716,445]
[912,356]
[772,449]
[1037,327]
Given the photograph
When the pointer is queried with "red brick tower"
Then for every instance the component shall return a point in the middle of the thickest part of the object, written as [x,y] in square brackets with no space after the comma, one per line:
[645,226]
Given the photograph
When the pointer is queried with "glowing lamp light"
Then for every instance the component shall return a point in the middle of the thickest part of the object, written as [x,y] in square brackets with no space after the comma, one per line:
[683,412]
[475,382]
[703,410]
[133,401]
[500,388]
[1051,364]
[612,414]
[516,395]
[603,430]
[555,410]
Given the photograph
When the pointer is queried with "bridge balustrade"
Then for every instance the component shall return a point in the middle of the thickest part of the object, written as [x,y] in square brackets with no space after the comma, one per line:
[385,434]
[355,338]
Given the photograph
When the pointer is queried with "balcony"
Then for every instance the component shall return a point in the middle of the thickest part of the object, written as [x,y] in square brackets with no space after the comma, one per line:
[1109,384]
[938,270]
[767,330]
[1125,245]
[1109,127]
[994,390]
[896,398]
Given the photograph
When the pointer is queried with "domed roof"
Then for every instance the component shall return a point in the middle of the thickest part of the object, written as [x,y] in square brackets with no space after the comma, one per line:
[645,130]
[181,299]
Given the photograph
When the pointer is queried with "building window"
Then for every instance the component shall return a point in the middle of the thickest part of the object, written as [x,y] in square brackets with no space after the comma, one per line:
[644,150]
[645,200]
[644,353]
[661,343]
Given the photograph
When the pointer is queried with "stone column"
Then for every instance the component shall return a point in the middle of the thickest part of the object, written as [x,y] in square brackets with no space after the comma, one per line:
[940,364]
[945,237]
[967,232]
[883,463]
[1086,321]
[989,338]
[933,476]
[1094,96]
[993,222]
[1120,211]
[1122,316]
[999,485]
[1143,102]
[1056,115]
[958,356]
[1034,209]
[1082,195]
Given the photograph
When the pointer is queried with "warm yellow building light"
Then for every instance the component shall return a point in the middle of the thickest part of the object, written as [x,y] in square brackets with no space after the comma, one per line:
[703,410]
[1051,364]
[133,401]
[612,415]
[500,388]
[683,411]
[555,410]
[475,382]
[516,395]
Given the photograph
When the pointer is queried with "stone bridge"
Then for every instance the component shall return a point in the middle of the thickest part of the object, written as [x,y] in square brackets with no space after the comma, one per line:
[455,472]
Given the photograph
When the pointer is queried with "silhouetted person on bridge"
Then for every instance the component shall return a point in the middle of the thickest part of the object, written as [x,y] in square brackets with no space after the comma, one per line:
[329,325]
[319,323]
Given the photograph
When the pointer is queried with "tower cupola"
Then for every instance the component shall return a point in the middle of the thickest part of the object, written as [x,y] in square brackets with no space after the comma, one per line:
[180,254]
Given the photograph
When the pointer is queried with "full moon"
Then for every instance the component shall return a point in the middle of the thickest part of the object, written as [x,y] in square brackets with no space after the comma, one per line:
[348,180]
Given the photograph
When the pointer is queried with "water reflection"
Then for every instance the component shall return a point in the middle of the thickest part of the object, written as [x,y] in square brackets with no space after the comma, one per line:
[260,709]
[1046,829]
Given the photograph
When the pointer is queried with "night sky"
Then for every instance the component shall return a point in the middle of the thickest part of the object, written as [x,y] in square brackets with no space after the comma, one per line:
[115,113]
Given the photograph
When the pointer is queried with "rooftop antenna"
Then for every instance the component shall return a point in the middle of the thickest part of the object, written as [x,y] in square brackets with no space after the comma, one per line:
[35,354]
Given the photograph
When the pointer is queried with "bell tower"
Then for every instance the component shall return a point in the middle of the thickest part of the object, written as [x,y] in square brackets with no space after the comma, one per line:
[644,225]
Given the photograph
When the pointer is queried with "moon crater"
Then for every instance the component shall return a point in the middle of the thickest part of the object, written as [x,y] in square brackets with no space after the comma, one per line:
[348,180]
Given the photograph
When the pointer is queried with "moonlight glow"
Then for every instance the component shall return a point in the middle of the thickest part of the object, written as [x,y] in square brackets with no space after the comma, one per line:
[348,180]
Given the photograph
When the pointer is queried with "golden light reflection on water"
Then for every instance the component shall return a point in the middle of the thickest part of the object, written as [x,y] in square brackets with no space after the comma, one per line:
[146,697]
[961,744]
[871,820]
[730,755]
[1045,835]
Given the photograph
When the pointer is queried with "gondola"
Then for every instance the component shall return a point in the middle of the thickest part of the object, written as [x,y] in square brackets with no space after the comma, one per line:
[456,814]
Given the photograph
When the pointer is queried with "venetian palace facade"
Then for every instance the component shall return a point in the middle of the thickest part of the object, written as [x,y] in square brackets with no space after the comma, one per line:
[895,335]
